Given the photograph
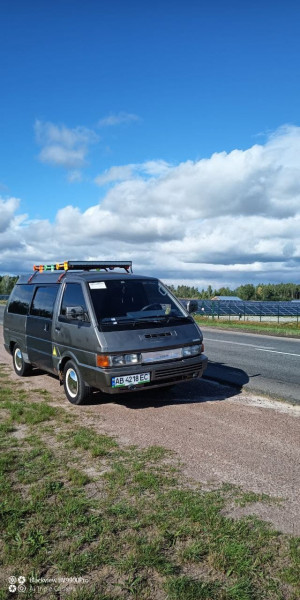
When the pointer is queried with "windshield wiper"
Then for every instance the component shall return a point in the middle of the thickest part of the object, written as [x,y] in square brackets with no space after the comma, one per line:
[177,317]
[130,321]
[152,319]
[144,319]
[164,319]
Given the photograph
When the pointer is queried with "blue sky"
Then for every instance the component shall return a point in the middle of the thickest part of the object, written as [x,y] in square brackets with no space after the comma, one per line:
[164,132]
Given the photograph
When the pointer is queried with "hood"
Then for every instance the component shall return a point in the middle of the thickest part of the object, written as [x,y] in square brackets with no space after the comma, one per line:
[149,339]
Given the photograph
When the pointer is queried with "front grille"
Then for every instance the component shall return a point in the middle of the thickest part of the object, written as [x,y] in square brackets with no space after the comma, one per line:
[177,372]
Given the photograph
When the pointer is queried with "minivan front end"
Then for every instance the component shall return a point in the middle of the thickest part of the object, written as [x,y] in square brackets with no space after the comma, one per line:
[146,337]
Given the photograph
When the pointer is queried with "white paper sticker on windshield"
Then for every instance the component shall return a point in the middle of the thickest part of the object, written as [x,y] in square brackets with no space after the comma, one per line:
[97,285]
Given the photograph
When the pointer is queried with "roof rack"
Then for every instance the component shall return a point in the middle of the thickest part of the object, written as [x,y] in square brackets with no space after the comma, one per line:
[85,265]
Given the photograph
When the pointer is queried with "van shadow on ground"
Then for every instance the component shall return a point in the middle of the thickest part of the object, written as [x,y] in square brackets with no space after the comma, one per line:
[227,375]
[220,382]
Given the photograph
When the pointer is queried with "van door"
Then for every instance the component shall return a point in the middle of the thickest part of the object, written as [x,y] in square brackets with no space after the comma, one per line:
[74,333]
[39,326]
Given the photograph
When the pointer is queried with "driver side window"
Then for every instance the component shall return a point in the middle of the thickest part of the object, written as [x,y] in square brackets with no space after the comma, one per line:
[73,297]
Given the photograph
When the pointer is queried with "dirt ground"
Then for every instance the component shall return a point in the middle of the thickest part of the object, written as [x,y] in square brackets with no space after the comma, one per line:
[220,435]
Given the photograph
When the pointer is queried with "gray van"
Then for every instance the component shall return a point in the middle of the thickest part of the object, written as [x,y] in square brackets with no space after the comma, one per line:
[97,327]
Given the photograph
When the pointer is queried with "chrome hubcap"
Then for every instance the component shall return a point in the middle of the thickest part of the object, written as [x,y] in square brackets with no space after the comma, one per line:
[72,382]
[18,359]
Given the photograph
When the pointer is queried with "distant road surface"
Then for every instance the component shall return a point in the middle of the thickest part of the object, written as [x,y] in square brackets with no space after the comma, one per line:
[1,313]
[260,363]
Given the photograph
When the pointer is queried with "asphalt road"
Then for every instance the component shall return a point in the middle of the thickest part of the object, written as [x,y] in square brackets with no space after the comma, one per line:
[259,363]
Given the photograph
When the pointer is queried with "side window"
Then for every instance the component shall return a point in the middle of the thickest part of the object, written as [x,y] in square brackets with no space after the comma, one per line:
[73,297]
[20,299]
[43,301]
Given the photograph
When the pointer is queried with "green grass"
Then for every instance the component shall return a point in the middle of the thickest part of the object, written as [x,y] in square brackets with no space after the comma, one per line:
[21,409]
[186,588]
[97,445]
[133,529]
[291,329]
[77,477]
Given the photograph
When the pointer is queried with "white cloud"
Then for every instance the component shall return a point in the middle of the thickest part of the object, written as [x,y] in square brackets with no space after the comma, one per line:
[74,176]
[118,173]
[222,220]
[62,146]
[153,168]
[118,119]
[8,208]
[63,157]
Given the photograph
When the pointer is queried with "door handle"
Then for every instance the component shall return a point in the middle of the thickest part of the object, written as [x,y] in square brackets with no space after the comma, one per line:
[46,327]
[57,328]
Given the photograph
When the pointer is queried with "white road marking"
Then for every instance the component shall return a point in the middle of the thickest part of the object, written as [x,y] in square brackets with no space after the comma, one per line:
[278,352]
[262,348]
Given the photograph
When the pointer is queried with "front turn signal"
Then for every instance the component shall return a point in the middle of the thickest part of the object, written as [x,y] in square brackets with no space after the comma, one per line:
[102,360]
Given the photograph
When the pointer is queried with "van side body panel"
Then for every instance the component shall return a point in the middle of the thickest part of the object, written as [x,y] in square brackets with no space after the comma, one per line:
[14,332]
[76,341]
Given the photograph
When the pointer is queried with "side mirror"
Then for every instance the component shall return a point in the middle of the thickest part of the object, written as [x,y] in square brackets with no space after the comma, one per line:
[192,306]
[75,312]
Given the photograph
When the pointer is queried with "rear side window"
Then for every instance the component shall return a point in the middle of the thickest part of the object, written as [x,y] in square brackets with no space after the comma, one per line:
[20,299]
[43,301]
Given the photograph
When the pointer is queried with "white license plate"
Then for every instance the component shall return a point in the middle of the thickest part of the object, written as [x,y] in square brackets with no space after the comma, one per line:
[127,380]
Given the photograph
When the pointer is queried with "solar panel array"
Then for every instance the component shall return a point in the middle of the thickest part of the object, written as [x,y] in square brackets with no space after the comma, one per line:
[246,309]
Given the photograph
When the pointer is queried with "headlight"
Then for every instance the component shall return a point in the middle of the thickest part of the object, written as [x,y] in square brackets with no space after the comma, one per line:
[132,359]
[117,360]
[191,350]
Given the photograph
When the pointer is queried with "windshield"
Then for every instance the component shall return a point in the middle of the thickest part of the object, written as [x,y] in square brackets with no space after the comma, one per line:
[122,304]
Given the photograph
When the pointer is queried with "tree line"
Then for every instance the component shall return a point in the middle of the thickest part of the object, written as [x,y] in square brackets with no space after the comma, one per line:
[7,283]
[262,291]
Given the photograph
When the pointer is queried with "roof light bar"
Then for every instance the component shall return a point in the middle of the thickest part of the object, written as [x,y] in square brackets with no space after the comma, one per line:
[86,265]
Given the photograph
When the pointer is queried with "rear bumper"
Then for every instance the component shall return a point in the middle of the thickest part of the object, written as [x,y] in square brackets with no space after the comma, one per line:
[164,373]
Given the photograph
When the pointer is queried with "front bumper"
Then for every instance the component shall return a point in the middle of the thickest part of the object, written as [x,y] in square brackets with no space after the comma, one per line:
[163,373]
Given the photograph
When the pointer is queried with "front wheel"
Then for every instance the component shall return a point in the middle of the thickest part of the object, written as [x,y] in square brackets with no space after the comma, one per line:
[75,387]
[21,367]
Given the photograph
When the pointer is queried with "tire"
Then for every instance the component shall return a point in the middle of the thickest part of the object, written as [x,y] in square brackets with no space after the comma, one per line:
[21,367]
[76,390]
